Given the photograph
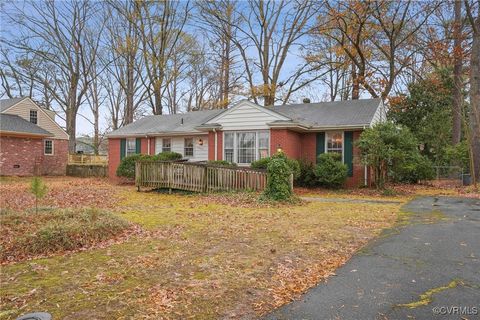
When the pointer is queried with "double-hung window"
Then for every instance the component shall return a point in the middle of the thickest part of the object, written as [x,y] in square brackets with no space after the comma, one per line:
[244,147]
[334,142]
[48,147]
[131,146]
[188,147]
[34,116]
[263,144]
[229,146]
[166,145]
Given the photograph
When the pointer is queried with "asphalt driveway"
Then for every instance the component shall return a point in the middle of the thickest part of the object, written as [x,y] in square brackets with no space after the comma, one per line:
[426,269]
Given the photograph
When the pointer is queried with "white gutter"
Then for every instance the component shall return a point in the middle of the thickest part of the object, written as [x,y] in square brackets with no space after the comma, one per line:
[159,134]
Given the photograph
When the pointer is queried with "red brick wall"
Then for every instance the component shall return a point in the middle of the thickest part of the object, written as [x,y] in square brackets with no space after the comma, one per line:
[303,146]
[56,164]
[309,146]
[211,145]
[28,154]
[289,141]
[113,157]
[152,146]
[358,178]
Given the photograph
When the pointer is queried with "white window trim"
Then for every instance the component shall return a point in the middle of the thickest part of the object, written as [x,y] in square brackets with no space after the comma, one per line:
[163,145]
[30,116]
[343,142]
[53,148]
[235,149]
[185,146]
[126,146]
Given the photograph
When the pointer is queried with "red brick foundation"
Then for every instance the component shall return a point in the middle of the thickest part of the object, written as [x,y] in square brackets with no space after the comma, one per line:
[25,157]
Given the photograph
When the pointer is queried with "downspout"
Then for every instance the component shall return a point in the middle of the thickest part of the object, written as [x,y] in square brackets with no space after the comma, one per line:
[148,144]
[215,132]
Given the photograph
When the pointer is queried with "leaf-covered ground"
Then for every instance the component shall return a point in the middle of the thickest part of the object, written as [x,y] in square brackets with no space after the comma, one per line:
[204,257]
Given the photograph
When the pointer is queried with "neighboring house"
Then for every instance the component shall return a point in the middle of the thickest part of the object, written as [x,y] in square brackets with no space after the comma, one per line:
[31,142]
[247,132]
[85,145]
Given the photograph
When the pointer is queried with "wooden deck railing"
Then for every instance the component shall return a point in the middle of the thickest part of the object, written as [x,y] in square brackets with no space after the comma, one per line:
[197,177]
[89,159]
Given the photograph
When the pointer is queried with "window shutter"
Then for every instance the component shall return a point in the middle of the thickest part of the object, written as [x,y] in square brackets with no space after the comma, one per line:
[123,148]
[138,146]
[320,143]
[348,151]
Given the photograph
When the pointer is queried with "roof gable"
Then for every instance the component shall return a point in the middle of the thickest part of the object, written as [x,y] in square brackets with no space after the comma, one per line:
[22,106]
[6,104]
[247,115]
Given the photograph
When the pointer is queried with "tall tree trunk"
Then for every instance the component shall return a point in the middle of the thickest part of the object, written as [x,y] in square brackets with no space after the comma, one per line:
[130,90]
[475,99]
[71,114]
[457,75]
[157,95]
[71,121]
[355,83]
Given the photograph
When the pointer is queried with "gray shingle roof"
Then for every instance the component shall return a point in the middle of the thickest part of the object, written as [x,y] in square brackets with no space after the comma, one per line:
[13,123]
[331,114]
[171,123]
[7,103]
[324,114]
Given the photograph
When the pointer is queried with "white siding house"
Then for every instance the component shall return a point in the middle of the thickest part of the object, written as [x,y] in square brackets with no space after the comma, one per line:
[177,144]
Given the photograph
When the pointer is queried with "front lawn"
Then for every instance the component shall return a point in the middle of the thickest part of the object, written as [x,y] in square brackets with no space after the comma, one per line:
[217,256]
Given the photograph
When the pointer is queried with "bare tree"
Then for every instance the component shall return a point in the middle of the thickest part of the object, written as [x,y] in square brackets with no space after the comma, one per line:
[60,34]
[159,28]
[127,64]
[217,19]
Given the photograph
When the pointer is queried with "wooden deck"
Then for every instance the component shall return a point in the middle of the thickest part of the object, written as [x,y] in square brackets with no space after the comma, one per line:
[197,177]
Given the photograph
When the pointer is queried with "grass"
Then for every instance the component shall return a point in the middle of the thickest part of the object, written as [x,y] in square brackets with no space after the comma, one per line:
[203,257]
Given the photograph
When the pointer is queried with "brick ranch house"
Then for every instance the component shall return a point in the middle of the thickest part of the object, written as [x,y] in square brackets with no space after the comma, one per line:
[247,132]
[31,142]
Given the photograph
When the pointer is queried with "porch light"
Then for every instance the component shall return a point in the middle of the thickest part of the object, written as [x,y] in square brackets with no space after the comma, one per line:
[200,142]
[279,148]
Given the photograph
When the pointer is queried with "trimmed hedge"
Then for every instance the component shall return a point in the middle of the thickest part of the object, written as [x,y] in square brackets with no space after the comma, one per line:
[127,165]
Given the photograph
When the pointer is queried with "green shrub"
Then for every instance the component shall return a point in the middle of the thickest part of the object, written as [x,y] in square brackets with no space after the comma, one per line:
[392,152]
[458,155]
[278,179]
[221,163]
[167,156]
[293,164]
[126,168]
[413,169]
[307,177]
[330,171]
